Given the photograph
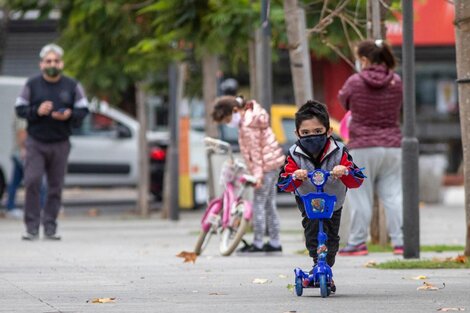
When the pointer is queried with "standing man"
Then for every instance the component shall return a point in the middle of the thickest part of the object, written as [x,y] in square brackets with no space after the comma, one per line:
[51,103]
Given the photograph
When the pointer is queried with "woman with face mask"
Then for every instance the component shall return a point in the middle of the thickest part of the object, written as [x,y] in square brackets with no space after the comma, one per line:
[374,98]
[263,157]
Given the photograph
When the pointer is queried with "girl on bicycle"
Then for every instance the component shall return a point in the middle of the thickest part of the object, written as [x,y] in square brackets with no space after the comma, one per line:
[263,157]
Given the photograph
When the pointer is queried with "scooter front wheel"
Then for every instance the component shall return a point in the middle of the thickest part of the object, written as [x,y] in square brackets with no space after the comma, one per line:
[298,286]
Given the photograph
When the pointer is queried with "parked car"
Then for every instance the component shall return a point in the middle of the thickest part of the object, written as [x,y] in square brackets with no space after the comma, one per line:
[105,151]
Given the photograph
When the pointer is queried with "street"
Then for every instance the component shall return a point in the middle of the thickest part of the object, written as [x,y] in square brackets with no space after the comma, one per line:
[134,260]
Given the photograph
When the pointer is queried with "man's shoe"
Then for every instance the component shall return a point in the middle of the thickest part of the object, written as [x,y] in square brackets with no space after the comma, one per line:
[267,247]
[360,249]
[30,237]
[16,214]
[398,250]
[333,286]
[53,237]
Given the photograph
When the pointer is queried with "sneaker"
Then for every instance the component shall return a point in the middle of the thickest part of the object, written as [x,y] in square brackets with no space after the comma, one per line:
[16,214]
[53,237]
[267,247]
[333,286]
[30,237]
[360,249]
[398,250]
[247,248]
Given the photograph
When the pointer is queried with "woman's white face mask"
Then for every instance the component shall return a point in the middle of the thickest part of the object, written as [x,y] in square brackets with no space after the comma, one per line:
[358,65]
[235,121]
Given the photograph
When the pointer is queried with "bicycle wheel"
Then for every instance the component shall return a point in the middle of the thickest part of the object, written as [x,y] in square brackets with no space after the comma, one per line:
[233,233]
[202,241]
[323,286]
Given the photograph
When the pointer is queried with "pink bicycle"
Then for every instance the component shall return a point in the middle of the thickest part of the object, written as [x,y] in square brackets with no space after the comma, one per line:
[227,216]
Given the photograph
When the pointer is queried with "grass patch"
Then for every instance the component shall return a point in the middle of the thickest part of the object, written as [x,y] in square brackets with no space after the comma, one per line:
[431,248]
[423,264]
[380,249]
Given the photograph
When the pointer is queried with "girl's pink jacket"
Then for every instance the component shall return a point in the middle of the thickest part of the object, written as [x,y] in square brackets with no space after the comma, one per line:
[259,147]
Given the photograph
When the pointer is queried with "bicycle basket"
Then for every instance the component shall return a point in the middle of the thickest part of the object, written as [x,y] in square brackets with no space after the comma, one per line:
[318,205]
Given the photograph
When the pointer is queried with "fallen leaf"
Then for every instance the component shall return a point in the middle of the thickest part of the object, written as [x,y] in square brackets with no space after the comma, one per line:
[188,256]
[371,263]
[290,312]
[290,287]
[102,300]
[217,294]
[451,309]
[260,281]
[461,259]
[419,277]
[431,287]
[282,276]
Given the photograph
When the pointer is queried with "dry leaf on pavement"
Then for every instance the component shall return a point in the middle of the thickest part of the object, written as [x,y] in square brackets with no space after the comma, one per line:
[461,259]
[450,309]
[371,263]
[188,256]
[282,276]
[430,287]
[290,287]
[420,277]
[102,300]
[260,281]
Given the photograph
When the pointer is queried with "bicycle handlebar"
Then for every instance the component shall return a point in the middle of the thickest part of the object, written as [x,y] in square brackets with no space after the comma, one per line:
[218,146]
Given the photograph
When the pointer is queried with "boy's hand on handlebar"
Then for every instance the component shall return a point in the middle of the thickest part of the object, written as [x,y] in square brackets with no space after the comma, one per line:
[300,174]
[339,170]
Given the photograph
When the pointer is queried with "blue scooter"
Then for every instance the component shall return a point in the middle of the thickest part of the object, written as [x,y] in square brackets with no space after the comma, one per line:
[318,205]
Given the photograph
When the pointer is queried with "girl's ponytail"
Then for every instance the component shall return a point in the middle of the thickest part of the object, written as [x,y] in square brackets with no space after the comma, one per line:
[377,52]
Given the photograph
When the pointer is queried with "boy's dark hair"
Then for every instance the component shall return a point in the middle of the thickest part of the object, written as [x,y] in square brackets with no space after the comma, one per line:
[224,107]
[311,109]
[377,52]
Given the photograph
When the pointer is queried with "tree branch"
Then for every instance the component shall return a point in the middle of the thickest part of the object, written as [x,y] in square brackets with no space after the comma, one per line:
[323,23]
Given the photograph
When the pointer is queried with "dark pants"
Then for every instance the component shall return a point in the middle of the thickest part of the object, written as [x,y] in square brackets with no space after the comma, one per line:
[16,179]
[330,227]
[49,159]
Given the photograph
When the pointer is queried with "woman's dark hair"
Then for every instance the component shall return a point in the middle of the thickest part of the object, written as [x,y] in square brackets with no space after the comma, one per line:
[312,109]
[377,52]
[224,107]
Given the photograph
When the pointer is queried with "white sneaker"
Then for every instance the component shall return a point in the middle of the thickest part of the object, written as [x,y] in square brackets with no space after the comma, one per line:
[16,214]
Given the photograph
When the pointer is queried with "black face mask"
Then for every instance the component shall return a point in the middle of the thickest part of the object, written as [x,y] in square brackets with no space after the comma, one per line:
[313,144]
[52,71]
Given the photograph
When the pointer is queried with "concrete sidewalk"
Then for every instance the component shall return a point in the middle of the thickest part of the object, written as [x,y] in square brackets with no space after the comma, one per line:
[134,260]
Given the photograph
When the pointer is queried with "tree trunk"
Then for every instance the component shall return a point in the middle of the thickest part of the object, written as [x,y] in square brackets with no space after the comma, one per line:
[210,67]
[462,27]
[254,92]
[299,52]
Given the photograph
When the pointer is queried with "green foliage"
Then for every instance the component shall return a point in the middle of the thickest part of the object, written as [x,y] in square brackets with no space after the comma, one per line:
[109,45]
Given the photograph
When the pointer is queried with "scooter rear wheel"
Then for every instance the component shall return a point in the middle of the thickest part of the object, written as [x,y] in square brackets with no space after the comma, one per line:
[323,286]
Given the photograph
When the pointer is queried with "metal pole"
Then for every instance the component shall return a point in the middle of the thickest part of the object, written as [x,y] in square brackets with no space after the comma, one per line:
[410,143]
[266,72]
[144,178]
[173,146]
